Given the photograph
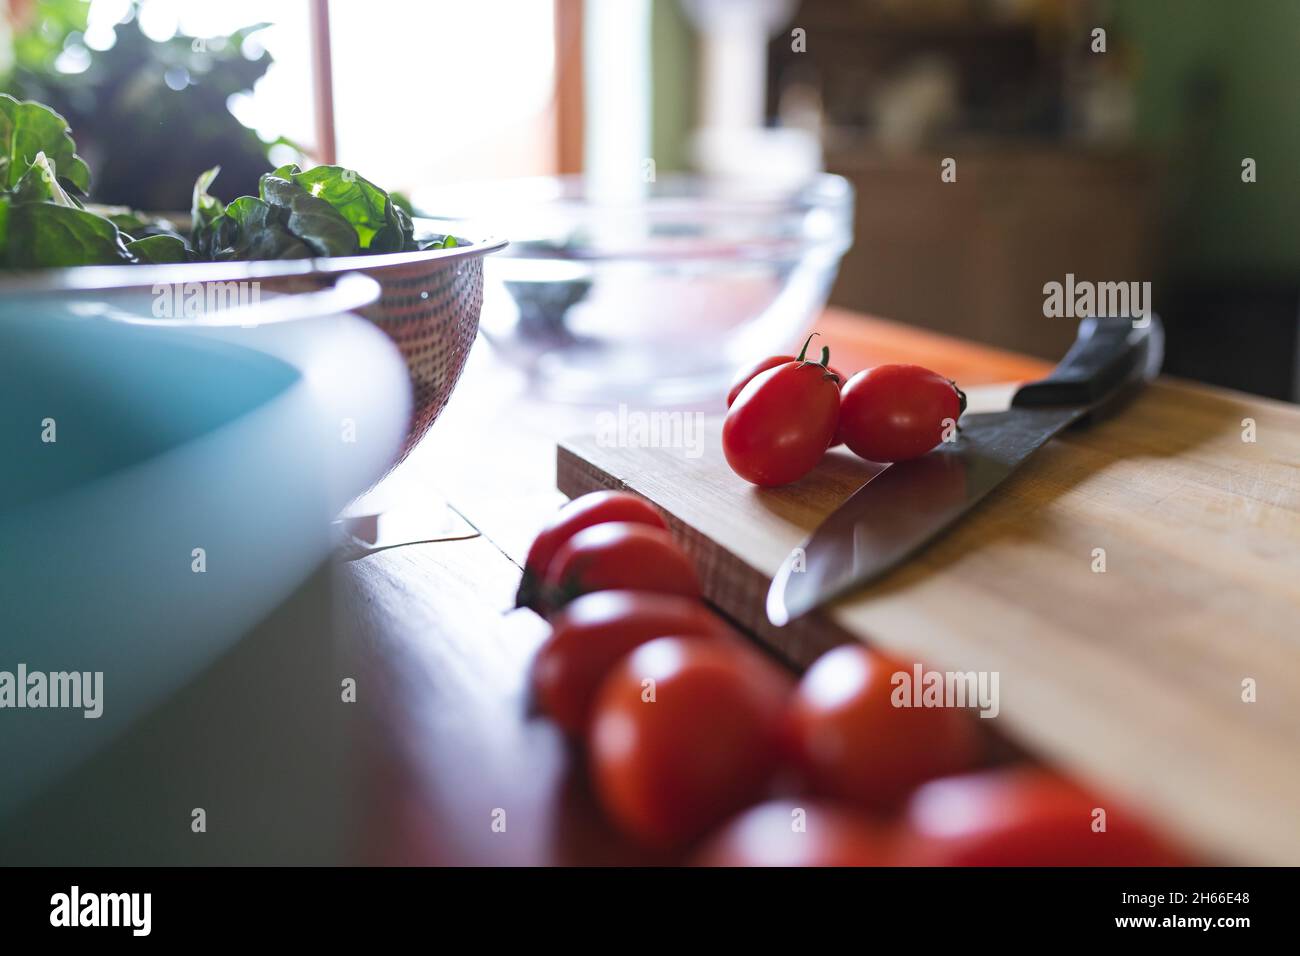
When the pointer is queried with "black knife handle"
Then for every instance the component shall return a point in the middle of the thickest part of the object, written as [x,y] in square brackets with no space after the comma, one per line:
[1109,357]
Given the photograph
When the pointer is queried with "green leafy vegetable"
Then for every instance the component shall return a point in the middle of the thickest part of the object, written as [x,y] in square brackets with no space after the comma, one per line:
[257,230]
[363,204]
[40,183]
[158,249]
[125,219]
[44,224]
[135,225]
[205,208]
[313,220]
[44,234]
[297,214]
[29,129]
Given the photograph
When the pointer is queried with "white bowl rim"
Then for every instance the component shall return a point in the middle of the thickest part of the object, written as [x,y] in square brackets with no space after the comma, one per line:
[349,292]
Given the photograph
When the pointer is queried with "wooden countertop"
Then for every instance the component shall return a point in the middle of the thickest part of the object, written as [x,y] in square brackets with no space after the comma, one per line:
[448,663]
[441,738]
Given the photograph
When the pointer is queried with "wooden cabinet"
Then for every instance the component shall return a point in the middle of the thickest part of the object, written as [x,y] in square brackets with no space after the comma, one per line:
[970,257]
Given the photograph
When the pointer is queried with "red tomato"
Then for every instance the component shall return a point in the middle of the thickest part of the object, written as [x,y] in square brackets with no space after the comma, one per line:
[580,513]
[837,439]
[796,833]
[1025,816]
[782,422]
[772,361]
[743,377]
[594,632]
[745,374]
[897,412]
[855,745]
[619,556]
[684,734]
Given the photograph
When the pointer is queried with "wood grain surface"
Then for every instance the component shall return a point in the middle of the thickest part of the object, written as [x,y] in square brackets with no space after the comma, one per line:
[448,734]
[1132,677]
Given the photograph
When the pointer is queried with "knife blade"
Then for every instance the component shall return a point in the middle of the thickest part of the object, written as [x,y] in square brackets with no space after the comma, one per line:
[902,509]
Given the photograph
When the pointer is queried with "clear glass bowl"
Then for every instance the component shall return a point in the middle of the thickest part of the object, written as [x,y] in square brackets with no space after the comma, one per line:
[655,294]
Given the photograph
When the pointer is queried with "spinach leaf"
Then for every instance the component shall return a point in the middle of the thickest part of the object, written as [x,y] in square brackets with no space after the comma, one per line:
[398,234]
[206,216]
[260,232]
[380,222]
[28,129]
[323,211]
[363,204]
[125,218]
[313,220]
[402,202]
[158,249]
[134,224]
[204,207]
[441,242]
[44,235]
[41,184]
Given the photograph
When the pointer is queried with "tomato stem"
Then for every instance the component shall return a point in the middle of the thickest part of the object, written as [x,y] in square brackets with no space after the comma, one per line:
[961,402]
[824,362]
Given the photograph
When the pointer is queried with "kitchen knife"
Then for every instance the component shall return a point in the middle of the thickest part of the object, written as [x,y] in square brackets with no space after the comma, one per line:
[903,508]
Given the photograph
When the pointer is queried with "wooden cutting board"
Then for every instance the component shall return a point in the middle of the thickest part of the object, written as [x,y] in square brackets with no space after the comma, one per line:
[1131,677]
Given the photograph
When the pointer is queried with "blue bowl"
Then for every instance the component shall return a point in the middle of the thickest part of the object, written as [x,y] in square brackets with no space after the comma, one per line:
[166,484]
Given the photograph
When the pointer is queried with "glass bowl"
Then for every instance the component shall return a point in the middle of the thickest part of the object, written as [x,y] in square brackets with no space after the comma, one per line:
[654,293]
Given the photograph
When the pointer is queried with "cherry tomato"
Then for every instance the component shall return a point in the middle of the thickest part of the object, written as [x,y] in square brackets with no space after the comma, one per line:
[580,513]
[782,422]
[1024,816]
[772,361]
[837,439]
[855,745]
[745,374]
[619,556]
[796,833]
[897,412]
[684,734]
[743,377]
[594,632]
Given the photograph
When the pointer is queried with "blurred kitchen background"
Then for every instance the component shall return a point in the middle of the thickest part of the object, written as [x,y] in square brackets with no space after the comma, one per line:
[1115,164]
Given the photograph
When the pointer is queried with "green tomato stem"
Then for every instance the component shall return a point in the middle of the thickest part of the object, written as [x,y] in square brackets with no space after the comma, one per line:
[804,351]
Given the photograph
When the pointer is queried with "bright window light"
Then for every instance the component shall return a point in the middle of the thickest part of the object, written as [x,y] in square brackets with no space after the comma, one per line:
[425,93]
